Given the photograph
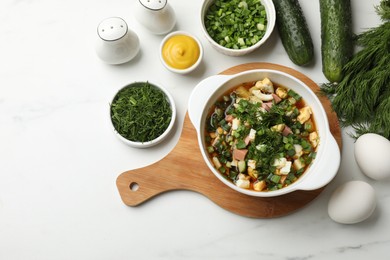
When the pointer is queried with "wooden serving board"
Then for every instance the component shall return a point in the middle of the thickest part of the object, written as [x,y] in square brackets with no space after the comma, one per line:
[184,169]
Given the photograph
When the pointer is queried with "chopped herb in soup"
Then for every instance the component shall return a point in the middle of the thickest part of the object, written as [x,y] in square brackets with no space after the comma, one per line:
[261,136]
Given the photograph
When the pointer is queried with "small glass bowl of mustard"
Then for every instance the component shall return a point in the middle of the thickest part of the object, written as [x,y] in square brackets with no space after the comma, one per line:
[181,52]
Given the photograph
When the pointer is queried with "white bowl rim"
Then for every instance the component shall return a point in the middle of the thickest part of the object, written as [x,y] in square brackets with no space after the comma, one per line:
[167,131]
[193,66]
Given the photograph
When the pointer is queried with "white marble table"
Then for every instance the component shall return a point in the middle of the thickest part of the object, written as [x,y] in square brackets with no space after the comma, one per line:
[59,159]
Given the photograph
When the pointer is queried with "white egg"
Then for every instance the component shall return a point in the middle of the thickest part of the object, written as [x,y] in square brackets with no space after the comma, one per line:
[372,154]
[352,202]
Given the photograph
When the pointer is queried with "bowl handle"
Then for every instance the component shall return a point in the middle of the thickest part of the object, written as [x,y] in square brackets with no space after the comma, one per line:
[200,95]
[329,163]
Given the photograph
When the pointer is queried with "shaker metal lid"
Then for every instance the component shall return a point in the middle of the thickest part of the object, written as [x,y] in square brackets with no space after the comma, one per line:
[154,5]
[112,29]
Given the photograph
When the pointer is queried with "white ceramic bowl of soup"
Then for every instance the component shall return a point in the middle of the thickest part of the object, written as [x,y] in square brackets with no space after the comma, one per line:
[322,169]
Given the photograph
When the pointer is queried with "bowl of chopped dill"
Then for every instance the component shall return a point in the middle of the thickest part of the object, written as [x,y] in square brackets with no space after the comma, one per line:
[142,114]
[237,27]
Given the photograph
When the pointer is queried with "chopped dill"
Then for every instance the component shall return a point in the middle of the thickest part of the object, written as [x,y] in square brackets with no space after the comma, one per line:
[140,112]
[362,98]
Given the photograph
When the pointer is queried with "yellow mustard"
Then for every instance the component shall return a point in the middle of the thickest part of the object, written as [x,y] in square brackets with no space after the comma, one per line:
[180,51]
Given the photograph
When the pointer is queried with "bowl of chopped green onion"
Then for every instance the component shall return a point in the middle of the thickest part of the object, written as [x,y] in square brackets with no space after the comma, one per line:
[142,114]
[237,27]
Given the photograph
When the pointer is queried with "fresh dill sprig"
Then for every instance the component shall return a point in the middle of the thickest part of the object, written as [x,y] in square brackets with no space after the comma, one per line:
[328,89]
[383,10]
[359,129]
[362,98]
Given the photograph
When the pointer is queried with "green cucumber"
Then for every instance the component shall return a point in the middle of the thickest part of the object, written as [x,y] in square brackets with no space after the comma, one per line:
[336,37]
[294,32]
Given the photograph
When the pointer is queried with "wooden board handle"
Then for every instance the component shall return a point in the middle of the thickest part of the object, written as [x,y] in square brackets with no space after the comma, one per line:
[177,171]
[139,185]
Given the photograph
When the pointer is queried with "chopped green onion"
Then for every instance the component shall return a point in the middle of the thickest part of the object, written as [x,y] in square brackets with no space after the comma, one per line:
[260,26]
[241,144]
[275,178]
[241,166]
[236,24]
[294,95]
[233,175]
